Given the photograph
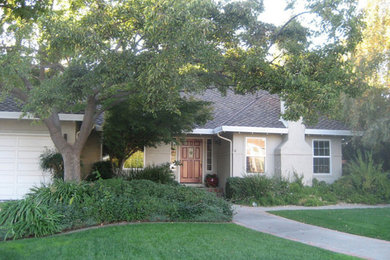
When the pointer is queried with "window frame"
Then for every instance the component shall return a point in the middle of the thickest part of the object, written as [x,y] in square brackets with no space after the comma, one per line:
[211,154]
[265,154]
[323,156]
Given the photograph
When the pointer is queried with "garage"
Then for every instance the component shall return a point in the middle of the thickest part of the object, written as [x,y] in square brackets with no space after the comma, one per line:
[19,163]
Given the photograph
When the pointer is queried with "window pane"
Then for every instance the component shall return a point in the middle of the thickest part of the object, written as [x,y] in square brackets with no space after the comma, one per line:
[321,165]
[255,147]
[321,148]
[255,164]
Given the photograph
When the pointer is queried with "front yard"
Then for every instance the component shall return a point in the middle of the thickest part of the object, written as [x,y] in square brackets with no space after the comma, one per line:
[365,222]
[163,241]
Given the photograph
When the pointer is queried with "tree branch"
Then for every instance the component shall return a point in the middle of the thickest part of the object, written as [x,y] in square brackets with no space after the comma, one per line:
[274,38]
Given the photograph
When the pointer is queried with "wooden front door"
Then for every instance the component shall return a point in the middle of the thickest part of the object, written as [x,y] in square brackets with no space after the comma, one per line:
[191,161]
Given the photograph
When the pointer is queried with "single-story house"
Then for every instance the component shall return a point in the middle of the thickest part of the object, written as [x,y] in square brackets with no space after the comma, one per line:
[23,140]
[248,136]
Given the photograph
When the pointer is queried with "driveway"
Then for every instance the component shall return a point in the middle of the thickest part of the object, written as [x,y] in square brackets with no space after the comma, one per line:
[257,218]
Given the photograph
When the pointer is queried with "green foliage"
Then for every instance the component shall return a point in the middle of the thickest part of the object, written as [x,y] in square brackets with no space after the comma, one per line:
[266,191]
[128,128]
[63,205]
[364,182]
[88,56]
[29,217]
[136,160]
[101,170]
[159,174]
[52,161]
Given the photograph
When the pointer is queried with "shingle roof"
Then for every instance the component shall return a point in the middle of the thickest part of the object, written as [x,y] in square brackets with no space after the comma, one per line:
[9,105]
[260,109]
[253,110]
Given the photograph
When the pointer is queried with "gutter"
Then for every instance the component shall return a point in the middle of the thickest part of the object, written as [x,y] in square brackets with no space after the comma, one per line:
[231,152]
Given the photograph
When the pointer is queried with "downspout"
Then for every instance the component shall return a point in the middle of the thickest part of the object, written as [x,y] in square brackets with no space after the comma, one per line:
[231,152]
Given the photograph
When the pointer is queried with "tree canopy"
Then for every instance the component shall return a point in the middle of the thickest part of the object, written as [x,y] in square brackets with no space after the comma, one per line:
[370,112]
[84,56]
[128,128]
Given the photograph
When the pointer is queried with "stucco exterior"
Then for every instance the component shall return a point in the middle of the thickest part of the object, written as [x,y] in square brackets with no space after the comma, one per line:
[286,155]
[92,152]
[239,153]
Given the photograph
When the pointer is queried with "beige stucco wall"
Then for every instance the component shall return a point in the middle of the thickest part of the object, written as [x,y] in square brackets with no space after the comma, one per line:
[335,160]
[272,141]
[294,155]
[36,127]
[92,152]
[223,159]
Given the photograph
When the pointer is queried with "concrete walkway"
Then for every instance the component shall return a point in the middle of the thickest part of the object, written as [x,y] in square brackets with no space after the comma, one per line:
[257,218]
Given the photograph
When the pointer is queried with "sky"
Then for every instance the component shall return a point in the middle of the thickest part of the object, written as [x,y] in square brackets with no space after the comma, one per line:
[274,10]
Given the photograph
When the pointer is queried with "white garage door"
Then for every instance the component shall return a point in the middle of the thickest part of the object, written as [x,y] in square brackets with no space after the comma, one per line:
[19,163]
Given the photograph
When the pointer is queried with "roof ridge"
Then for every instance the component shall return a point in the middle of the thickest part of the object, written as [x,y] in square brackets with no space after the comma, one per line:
[241,110]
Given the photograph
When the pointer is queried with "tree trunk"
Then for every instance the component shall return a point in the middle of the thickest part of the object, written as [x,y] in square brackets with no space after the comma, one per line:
[72,170]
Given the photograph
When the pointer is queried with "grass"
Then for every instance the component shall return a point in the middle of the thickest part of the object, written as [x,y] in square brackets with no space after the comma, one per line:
[163,241]
[365,222]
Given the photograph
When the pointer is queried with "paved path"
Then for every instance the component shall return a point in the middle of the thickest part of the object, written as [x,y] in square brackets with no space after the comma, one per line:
[258,219]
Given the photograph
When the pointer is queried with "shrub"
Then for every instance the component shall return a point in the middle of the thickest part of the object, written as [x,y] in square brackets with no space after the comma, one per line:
[159,174]
[29,217]
[364,182]
[51,161]
[101,170]
[64,205]
[272,191]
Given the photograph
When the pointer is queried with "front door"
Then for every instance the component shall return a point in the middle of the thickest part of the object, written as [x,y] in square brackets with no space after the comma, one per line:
[191,161]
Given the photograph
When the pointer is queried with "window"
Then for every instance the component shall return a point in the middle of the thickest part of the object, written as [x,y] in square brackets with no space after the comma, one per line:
[173,153]
[209,154]
[321,156]
[255,155]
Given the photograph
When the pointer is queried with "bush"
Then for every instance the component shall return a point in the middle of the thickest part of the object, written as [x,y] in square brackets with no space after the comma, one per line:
[64,205]
[51,161]
[276,191]
[101,170]
[159,174]
[29,217]
[364,182]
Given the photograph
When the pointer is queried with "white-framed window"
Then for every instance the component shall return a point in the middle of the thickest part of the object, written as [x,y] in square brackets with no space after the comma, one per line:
[255,154]
[209,154]
[321,157]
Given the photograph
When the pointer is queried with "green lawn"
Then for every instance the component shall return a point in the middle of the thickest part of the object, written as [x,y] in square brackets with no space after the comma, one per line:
[163,241]
[365,222]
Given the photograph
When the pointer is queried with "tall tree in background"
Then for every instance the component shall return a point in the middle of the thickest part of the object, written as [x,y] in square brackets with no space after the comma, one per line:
[128,128]
[87,56]
[370,113]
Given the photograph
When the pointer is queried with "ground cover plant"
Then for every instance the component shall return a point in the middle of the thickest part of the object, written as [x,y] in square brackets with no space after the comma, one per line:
[363,182]
[159,174]
[164,241]
[365,222]
[66,205]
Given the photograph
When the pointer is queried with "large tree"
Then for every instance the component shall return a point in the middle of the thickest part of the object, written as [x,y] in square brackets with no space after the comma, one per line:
[370,112]
[128,128]
[87,56]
